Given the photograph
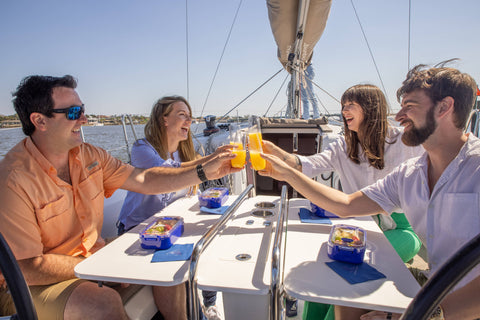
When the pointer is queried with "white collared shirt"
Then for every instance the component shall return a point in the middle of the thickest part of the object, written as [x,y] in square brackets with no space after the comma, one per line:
[450,216]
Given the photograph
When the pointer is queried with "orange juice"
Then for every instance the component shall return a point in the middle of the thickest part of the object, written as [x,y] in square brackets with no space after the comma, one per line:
[239,160]
[255,141]
[238,144]
[258,163]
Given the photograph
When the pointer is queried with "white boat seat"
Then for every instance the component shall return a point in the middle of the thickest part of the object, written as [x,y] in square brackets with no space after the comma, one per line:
[111,210]
[141,305]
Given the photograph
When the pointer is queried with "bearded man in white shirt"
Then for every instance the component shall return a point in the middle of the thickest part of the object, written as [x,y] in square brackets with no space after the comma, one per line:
[438,192]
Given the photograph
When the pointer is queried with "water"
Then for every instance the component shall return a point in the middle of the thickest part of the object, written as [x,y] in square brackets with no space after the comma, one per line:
[110,138]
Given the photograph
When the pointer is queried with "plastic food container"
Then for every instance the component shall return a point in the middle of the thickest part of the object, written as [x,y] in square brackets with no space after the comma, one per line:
[321,212]
[162,233]
[213,197]
[347,243]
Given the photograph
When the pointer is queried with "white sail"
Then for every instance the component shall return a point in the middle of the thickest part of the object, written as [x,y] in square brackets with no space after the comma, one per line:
[307,18]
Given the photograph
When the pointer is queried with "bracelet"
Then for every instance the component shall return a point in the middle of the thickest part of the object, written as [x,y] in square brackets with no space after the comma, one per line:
[437,314]
[201,174]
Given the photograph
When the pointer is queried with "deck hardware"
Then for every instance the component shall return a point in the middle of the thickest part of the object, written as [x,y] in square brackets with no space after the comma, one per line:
[262,213]
[249,222]
[264,204]
[267,223]
[243,257]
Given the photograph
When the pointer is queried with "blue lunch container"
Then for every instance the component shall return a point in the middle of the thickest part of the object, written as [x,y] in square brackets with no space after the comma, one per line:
[162,233]
[347,243]
[213,197]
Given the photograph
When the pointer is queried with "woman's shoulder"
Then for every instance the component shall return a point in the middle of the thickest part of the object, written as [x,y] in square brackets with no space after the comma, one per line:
[338,143]
[394,133]
[143,145]
[142,142]
[144,155]
[395,146]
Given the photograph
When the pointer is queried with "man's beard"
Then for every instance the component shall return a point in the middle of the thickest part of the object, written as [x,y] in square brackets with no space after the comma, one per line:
[416,136]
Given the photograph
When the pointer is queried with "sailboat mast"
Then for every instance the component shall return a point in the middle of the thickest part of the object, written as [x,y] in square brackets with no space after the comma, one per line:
[297,65]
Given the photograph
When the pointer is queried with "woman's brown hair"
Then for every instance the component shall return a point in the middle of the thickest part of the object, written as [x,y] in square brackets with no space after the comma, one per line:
[374,127]
[155,130]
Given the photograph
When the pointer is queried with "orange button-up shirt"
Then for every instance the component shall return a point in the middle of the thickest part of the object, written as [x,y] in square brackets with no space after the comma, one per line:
[40,213]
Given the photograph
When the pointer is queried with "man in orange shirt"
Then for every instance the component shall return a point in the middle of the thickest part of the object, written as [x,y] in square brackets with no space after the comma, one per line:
[52,187]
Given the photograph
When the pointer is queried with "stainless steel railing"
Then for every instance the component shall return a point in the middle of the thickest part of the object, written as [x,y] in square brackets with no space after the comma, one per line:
[202,244]
[126,136]
[276,283]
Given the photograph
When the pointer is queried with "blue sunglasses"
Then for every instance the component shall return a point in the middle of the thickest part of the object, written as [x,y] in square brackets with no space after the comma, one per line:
[72,113]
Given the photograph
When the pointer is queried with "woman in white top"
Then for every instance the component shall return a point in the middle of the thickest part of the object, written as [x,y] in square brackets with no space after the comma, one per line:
[370,149]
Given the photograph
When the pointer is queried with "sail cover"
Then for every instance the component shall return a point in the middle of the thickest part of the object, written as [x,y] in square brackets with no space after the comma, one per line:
[283,15]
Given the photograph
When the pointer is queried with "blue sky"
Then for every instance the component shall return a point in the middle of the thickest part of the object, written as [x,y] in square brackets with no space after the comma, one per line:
[126,54]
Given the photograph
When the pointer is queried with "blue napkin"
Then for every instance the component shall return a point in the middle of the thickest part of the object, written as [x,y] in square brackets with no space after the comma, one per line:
[177,252]
[307,216]
[355,273]
[220,210]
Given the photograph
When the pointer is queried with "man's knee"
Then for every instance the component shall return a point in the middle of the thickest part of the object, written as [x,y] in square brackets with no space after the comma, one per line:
[89,301]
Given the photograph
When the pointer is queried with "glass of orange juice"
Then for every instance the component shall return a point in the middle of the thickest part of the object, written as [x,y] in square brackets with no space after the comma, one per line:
[239,151]
[255,148]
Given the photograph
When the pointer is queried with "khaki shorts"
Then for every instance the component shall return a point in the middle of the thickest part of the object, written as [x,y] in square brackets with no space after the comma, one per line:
[50,300]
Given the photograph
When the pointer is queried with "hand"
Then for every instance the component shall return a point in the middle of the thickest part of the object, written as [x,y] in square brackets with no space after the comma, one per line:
[271,148]
[275,168]
[220,165]
[291,159]
[380,315]
[222,149]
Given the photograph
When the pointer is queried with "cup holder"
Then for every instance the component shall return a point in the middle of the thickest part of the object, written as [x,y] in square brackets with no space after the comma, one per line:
[262,213]
[264,204]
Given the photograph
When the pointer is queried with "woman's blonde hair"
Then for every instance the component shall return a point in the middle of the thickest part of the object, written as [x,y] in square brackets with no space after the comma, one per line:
[374,127]
[156,133]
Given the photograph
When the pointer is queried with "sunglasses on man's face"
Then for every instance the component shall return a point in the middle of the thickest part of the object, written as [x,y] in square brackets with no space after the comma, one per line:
[72,113]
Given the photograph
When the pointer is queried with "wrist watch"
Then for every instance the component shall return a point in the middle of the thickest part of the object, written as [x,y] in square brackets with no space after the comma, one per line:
[201,174]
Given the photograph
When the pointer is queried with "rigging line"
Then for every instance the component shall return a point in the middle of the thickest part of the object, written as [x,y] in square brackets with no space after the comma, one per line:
[244,99]
[186,42]
[324,108]
[312,93]
[409,31]
[276,95]
[221,57]
[325,91]
[370,50]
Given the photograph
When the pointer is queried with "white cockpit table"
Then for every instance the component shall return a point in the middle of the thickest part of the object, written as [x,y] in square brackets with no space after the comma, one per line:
[124,260]
[238,262]
[307,277]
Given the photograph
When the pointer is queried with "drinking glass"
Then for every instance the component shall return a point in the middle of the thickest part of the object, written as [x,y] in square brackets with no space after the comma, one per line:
[239,151]
[255,148]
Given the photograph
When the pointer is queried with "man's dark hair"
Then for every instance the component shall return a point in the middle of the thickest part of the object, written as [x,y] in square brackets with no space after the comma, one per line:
[440,82]
[34,94]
